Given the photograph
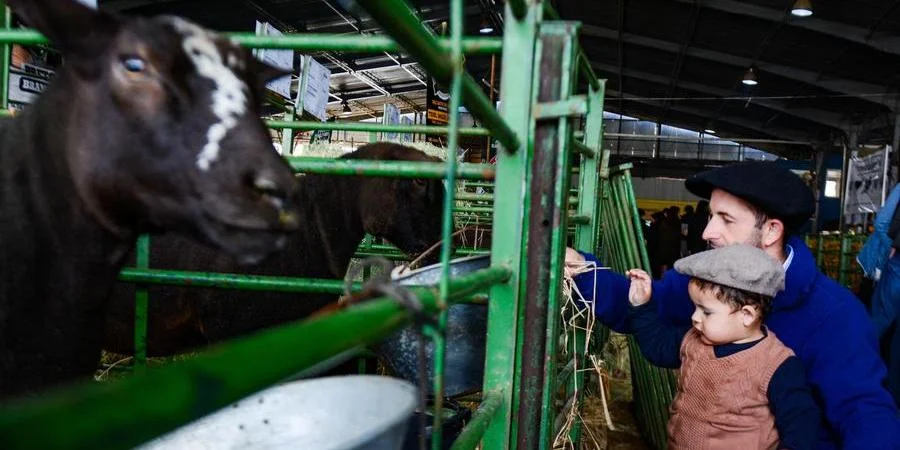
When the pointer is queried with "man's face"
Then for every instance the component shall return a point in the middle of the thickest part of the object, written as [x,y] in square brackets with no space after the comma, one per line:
[731,221]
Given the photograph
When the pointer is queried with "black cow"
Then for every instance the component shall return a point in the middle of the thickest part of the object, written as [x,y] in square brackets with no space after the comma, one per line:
[336,213]
[151,125]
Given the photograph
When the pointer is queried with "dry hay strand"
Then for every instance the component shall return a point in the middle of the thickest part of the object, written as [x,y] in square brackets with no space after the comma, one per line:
[577,313]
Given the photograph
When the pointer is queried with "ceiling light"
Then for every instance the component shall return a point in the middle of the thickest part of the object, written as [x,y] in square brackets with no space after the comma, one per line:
[709,131]
[750,78]
[486,27]
[802,8]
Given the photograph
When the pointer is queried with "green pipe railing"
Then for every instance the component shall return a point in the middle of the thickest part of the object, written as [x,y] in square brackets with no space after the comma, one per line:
[399,21]
[371,127]
[232,281]
[131,411]
[5,58]
[141,303]
[401,169]
[474,430]
[307,42]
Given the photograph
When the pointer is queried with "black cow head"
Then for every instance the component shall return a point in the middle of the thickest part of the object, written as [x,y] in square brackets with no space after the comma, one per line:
[405,211]
[159,122]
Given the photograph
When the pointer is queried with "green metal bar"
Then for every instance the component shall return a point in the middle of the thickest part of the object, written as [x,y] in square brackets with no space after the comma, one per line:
[842,260]
[372,127]
[128,412]
[306,42]
[474,430]
[519,38]
[5,58]
[398,20]
[547,212]
[230,281]
[583,150]
[584,63]
[579,220]
[465,196]
[401,169]
[141,300]
[457,72]
[574,106]
[473,209]
[586,235]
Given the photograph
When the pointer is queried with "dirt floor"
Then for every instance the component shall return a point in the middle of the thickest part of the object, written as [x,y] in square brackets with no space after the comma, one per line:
[625,435]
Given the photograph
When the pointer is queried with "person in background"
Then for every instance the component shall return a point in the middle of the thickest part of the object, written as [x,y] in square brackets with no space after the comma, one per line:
[881,263]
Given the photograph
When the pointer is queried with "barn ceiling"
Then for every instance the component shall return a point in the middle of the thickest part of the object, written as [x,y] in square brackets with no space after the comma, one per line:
[677,61]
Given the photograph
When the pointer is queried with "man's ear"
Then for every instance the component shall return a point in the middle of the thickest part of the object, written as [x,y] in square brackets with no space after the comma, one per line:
[772,232]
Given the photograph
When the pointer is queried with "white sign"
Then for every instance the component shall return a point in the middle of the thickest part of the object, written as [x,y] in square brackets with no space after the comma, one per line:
[391,117]
[318,84]
[865,182]
[406,137]
[25,85]
[283,59]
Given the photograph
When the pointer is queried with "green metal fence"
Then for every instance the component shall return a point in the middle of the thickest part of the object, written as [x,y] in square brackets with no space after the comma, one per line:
[532,177]
[623,247]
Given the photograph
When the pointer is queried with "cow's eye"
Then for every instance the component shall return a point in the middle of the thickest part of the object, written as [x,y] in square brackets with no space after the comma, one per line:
[134,64]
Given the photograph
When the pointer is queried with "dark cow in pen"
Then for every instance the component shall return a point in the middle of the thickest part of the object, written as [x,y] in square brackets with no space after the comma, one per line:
[336,213]
[151,125]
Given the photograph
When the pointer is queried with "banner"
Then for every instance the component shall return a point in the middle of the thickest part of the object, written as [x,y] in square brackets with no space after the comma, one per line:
[391,117]
[283,59]
[318,84]
[437,101]
[866,181]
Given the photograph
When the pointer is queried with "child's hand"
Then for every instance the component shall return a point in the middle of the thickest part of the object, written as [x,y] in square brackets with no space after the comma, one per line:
[574,261]
[641,287]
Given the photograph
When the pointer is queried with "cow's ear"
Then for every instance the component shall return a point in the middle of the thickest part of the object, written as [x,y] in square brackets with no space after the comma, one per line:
[74,28]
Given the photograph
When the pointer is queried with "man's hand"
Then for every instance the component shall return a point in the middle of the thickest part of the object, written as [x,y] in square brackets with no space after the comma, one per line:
[641,287]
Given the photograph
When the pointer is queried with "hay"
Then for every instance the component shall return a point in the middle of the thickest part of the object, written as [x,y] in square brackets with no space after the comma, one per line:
[577,313]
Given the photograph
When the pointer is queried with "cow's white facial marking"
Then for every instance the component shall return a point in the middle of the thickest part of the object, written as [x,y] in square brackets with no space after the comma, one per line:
[229,97]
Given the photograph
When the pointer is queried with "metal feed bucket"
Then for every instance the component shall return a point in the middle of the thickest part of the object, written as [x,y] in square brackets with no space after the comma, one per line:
[466,333]
[357,412]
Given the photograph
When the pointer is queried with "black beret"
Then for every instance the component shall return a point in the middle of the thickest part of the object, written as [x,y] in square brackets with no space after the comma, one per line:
[776,191]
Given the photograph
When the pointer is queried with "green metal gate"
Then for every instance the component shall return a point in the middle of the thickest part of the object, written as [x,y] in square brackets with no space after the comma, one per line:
[531,205]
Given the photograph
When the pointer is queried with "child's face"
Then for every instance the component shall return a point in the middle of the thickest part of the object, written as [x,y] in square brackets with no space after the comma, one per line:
[717,322]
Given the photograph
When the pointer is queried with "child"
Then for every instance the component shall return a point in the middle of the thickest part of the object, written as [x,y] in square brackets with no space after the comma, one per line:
[739,387]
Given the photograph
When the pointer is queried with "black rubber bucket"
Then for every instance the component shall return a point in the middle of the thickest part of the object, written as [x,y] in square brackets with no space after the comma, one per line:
[465,337]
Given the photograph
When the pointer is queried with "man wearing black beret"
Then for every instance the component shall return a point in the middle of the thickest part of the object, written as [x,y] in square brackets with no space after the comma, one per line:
[762,204]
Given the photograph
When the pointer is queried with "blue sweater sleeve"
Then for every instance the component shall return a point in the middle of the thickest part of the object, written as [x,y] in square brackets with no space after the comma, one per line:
[797,417]
[609,290]
[844,367]
[660,343]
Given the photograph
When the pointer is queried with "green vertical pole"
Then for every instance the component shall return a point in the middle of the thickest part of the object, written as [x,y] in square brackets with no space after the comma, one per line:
[507,248]
[842,259]
[560,38]
[820,250]
[141,301]
[456,59]
[586,235]
[5,58]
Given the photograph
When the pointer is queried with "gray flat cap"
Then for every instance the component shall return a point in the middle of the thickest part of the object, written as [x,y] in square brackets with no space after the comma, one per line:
[739,266]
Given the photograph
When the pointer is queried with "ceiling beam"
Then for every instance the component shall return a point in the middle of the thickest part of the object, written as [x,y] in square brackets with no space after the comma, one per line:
[780,133]
[888,44]
[821,117]
[866,91]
